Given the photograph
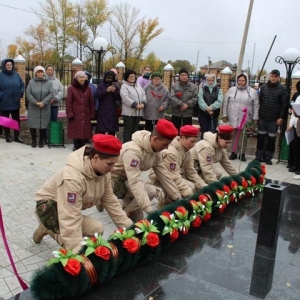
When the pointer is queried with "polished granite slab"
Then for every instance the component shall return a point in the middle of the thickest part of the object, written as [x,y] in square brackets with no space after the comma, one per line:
[220,260]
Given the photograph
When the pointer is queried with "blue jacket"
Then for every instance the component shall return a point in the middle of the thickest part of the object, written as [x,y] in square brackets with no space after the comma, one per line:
[11,88]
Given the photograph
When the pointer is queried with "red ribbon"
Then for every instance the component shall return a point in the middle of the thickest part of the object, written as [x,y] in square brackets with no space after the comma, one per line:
[22,283]
[240,127]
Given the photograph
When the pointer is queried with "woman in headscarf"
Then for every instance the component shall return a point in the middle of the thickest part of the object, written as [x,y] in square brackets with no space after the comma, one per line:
[39,93]
[210,99]
[236,99]
[109,99]
[80,109]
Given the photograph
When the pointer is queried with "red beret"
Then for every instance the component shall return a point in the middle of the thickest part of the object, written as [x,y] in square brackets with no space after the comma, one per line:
[107,144]
[166,129]
[189,130]
[225,129]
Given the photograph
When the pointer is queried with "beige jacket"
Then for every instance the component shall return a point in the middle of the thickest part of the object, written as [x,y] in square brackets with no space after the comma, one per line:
[76,187]
[206,152]
[180,165]
[137,156]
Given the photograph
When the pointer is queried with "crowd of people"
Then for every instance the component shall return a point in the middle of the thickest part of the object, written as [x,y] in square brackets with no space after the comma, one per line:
[180,155]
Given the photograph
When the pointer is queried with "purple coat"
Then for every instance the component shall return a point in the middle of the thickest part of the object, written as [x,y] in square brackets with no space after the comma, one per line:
[108,102]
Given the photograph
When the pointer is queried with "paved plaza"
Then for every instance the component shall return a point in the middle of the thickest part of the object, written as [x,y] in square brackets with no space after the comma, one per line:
[23,171]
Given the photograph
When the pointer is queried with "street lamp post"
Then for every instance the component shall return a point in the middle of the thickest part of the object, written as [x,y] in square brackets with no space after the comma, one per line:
[99,49]
[290,58]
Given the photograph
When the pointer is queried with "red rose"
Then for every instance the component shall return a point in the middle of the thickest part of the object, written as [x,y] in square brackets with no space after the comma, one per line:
[197,222]
[63,251]
[253,180]
[103,252]
[207,216]
[181,209]
[263,169]
[159,96]
[153,94]
[203,199]
[166,214]
[248,194]
[132,245]
[244,183]
[220,194]
[185,230]
[152,240]
[174,235]
[232,197]
[178,94]
[93,239]
[120,230]
[73,266]
[145,222]
[226,189]
[234,185]
[223,206]
[261,179]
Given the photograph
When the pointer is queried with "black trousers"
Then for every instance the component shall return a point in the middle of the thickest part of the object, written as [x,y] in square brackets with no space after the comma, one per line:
[184,120]
[15,115]
[78,143]
[131,125]
[41,133]
[296,150]
[149,124]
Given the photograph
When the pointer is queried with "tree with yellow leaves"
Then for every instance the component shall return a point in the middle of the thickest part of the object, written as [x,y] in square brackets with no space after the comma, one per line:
[132,32]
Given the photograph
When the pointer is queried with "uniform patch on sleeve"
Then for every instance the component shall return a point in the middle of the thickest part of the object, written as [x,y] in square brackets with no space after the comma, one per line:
[209,158]
[134,163]
[172,166]
[71,198]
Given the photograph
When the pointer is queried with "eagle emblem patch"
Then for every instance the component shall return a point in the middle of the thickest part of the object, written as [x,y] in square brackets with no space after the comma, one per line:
[134,163]
[209,158]
[71,198]
[172,166]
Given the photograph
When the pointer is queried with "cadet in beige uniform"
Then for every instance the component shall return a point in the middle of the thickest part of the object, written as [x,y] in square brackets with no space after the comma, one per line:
[212,149]
[84,182]
[138,155]
[180,164]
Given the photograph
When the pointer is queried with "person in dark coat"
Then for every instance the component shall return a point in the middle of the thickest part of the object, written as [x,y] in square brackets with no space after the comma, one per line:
[109,100]
[11,92]
[39,93]
[80,109]
[273,99]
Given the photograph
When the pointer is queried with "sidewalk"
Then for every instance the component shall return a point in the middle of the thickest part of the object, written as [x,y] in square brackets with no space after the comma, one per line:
[23,171]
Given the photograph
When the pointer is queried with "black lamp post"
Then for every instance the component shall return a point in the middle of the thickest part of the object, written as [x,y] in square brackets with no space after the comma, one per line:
[99,49]
[290,58]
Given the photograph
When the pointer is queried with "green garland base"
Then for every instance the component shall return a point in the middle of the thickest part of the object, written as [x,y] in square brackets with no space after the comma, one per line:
[68,275]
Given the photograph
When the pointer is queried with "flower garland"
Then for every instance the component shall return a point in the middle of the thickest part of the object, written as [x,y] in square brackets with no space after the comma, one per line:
[143,241]
[71,262]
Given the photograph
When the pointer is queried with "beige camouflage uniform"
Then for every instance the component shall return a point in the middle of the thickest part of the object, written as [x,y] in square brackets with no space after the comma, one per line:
[137,156]
[180,165]
[74,188]
[206,153]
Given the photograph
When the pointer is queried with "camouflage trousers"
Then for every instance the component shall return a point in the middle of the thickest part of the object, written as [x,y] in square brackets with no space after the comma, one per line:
[46,211]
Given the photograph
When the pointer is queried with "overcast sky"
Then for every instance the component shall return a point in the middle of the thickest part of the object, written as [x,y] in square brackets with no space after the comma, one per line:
[211,28]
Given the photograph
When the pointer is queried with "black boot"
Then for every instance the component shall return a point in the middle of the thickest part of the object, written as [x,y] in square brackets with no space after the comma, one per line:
[33,137]
[7,135]
[233,156]
[42,135]
[17,138]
